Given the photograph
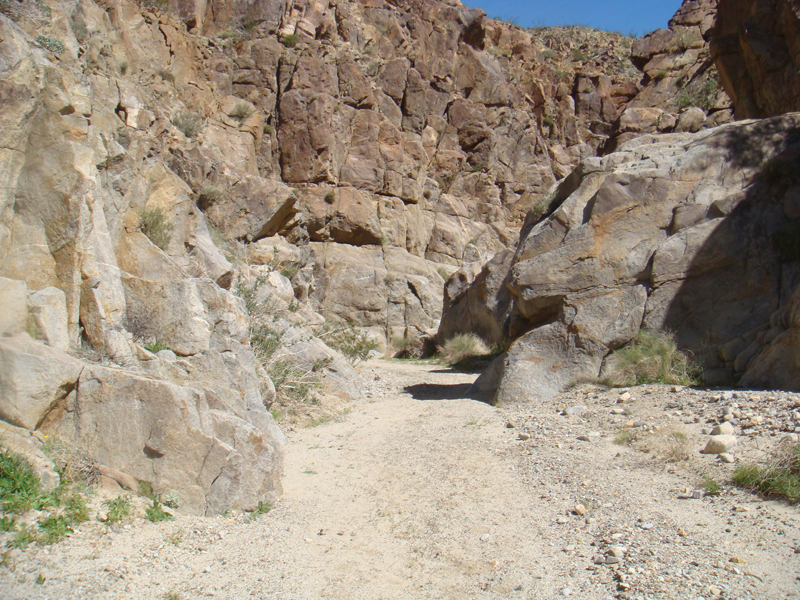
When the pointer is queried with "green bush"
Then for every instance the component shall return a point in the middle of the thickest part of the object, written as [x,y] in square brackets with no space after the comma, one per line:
[652,357]
[778,477]
[355,344]
[188,123]
[119,509]
[156,227]
[20,488]
[156,514]
[52,44]
[290,41]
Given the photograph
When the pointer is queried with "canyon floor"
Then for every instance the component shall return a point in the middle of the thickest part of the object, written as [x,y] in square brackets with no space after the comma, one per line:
[419,492]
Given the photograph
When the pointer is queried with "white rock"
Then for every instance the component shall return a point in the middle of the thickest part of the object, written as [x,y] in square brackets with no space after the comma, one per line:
[723,429]
[719,444]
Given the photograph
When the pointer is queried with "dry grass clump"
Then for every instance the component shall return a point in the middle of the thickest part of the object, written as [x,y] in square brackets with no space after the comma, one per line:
[777,477]
[671,446]
[463,346]
[652,357]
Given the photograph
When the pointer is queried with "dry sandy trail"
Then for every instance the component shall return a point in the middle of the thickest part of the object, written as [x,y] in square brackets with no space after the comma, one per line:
[419,492]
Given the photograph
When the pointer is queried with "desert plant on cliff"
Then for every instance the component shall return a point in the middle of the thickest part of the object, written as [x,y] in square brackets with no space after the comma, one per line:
[290,41]
[777,477]
[156,227]
[652,357]
[188,123]
[463,346]
[52,44]
[241,111]
[355,344]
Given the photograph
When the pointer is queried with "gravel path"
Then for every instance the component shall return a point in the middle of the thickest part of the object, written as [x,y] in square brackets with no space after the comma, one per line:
[418,492]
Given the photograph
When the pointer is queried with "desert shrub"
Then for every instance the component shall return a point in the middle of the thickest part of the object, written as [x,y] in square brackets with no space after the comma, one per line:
[74,463]
[662,74]
[407,346]
[188,123]
[52,44]
[710,486]
[156,227]
[119,509]
[241,111]
[355,344]
[548,54]
[330,197]
[53,529]
[123,67]
[20,488]
[652,357]
[155,513]
[268,129]
[777,477]
[548,120]
[290,41]
[463,346]
[262,509]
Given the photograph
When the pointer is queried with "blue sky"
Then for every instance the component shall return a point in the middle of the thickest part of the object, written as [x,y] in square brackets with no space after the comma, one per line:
[625,16]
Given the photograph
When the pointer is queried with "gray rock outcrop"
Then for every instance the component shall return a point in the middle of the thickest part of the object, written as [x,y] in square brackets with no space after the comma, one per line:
[690,233]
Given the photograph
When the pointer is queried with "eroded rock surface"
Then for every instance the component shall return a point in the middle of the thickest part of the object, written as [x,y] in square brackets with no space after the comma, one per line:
[682,232]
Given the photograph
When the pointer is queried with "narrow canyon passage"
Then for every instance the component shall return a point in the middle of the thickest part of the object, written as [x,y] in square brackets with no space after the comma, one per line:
[418,492]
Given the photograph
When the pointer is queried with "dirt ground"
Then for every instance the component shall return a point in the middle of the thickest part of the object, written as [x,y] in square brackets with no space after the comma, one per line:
[419,492]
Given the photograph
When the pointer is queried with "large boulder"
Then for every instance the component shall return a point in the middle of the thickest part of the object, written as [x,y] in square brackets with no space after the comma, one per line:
[685,232]
[181,439]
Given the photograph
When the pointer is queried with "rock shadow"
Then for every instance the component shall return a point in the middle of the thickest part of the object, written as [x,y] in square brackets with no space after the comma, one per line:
[748,267]
[436,391]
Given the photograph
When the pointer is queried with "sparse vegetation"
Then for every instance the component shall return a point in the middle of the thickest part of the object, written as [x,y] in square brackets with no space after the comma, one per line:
[652,357]
[262,509]
[777,477]
[710,486]
[355,344]
[156,227]
[119,509]
[625,437]
[21,491]
[268,129]
[49,43]
[123,67]
[155,513]
[156,347]
[330,197]
[290,41]
[662,74]
[548,54]
[241,111]
[463,346]
[548,120]
[188,123]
